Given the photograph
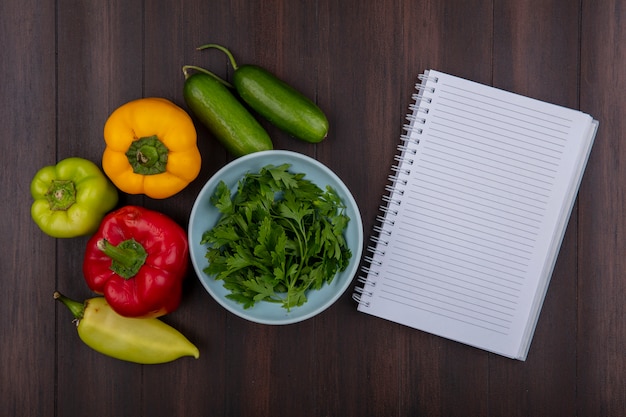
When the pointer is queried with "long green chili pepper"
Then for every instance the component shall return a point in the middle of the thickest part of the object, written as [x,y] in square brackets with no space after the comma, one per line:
[140,340]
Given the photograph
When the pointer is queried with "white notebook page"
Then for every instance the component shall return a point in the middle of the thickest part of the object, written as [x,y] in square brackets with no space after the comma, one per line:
[484,191]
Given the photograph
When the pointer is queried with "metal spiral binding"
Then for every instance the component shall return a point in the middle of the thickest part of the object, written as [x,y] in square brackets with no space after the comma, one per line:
[403,158]
[406,138]
[397,169]
[379,240]
[381,231]
[420,97]
[383,220]
[396,179]
[356,296]
[371,259]
[387,210]
[408,150]
[410,128]
[362,291]
[389,200]
[407,127]
[418,108]
[425,77]
[420,120]
[394,190]
[363,280]
[405,149]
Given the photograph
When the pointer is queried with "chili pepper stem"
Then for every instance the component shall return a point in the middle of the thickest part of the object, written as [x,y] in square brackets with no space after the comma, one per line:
[221,48]
[77,309]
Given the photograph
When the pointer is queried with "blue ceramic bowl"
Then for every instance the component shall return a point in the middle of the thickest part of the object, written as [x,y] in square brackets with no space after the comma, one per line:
[204,216]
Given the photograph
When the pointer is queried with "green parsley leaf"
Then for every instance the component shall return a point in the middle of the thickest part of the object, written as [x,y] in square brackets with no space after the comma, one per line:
[278,237]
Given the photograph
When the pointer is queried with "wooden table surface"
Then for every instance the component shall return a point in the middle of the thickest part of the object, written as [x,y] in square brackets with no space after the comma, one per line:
[67,64]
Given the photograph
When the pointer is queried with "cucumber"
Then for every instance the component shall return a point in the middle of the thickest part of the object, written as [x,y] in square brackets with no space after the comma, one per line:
[212,102]
[279,103]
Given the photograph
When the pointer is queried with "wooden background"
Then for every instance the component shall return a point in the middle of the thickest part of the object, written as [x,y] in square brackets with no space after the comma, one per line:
[67,64]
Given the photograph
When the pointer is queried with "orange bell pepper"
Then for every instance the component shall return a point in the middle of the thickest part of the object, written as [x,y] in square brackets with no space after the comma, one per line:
[151,148]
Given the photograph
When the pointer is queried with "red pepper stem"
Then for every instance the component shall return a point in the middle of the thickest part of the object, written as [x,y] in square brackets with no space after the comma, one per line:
[77,309]
[126,258]
[117,254]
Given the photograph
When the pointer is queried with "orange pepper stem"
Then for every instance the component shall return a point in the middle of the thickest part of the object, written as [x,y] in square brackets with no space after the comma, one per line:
[127,258]
[147,156]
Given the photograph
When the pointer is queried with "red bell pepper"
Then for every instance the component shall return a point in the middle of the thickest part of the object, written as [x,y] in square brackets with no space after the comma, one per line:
[138,259]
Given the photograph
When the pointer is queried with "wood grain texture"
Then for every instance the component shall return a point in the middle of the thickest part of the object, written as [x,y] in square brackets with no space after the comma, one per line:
[27,107]
[67,64]
[601,362]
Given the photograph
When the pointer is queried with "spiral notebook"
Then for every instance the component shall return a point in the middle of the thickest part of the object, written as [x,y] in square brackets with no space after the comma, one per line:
[475,212]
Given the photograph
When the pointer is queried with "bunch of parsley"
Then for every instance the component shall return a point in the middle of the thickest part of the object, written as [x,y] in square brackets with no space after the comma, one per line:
[279,235]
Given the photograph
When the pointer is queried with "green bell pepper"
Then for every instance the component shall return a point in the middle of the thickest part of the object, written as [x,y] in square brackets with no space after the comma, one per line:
[71,198]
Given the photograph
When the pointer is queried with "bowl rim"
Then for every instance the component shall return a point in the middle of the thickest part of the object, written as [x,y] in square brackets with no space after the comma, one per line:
[355,223]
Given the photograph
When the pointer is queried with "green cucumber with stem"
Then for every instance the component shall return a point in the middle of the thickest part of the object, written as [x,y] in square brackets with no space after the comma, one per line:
[210,99]
[279,103]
